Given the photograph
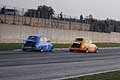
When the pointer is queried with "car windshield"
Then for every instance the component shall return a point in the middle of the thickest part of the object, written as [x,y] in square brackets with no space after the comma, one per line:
[76,45]
[32,38]
[29,44]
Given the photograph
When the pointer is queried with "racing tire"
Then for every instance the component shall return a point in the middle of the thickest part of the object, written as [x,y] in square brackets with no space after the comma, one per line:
[87,51]
[41,50]
[24,49]
[96,50]
[71,50]
[51,50]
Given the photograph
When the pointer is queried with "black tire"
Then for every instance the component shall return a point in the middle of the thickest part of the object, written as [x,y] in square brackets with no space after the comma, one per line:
[24,49]
[51,49]
[97,50]
[71,50]
[87,51]
[41,50]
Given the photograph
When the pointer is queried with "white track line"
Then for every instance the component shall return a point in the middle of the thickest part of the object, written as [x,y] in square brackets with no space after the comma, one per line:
[87,74]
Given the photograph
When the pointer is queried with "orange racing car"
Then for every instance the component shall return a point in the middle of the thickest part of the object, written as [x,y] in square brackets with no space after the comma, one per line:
[84,45]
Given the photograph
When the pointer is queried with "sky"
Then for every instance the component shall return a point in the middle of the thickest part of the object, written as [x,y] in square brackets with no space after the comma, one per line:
[100,9]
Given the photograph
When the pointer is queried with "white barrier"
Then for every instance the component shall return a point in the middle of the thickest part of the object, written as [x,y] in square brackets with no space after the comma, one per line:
[17,33]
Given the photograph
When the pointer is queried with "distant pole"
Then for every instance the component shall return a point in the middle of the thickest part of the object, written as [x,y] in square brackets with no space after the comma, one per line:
[30,18]
[14,16]
[22,15]
[38,17]
[70,23]
[14,12]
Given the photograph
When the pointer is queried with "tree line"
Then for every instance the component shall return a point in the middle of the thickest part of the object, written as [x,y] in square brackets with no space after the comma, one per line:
[44,11]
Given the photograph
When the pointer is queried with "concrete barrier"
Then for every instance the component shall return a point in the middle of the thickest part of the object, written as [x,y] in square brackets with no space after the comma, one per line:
[17,33]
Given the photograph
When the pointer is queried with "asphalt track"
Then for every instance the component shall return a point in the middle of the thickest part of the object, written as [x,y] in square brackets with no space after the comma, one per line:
[60,64]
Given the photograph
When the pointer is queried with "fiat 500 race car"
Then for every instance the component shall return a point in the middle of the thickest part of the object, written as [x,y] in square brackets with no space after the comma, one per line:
[37,43]
[84,45]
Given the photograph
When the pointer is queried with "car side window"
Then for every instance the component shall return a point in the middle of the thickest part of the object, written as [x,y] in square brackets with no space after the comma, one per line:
[43,39]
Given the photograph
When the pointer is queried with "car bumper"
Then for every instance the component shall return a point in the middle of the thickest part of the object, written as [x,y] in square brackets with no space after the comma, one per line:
[83,49]
[78,49]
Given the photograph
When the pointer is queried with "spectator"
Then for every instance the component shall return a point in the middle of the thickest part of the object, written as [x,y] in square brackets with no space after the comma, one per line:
[61,16]
[81,18]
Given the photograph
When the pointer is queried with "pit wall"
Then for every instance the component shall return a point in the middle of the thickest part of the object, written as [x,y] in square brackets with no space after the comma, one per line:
[18,33]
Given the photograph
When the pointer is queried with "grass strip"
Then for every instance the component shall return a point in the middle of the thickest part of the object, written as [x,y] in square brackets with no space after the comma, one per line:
[103,76]
[9,46]
[108,44]
[12,46]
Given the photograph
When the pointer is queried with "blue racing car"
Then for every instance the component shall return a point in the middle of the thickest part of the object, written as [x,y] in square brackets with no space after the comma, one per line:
[37,43]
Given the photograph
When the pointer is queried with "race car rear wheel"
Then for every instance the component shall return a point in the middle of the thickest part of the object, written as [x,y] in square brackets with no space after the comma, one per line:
[41,50]
[24,49]
[87,51]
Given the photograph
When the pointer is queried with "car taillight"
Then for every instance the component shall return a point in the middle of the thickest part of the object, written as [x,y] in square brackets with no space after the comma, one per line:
[82,46]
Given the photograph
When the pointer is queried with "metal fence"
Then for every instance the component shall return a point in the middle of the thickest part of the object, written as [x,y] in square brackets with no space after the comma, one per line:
[22,11]
[17,16]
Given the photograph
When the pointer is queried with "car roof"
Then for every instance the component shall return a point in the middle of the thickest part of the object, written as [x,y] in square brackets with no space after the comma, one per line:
[76,42]
[37,35]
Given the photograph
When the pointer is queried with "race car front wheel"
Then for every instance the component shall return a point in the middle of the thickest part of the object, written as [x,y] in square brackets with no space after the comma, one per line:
[71,50]
[96,50]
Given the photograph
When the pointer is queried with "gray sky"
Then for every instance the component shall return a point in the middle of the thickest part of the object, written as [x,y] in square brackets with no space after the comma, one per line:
[100,9]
